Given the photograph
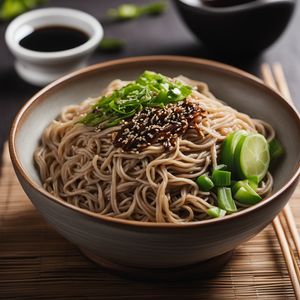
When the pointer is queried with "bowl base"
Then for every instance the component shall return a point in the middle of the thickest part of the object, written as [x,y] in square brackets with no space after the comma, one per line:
[205,269]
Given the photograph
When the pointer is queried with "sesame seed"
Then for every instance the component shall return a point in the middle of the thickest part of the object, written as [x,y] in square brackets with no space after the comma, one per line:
[157,125]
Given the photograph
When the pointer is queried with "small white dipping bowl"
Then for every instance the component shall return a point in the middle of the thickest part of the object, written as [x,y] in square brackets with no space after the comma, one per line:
[41,68]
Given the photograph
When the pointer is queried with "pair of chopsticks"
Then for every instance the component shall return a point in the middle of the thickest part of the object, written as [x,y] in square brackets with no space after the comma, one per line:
[288,236]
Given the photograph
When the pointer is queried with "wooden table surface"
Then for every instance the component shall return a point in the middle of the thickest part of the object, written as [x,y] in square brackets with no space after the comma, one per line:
[165,34]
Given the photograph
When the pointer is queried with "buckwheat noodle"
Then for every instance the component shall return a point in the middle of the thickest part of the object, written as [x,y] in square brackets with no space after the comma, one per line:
[81,166]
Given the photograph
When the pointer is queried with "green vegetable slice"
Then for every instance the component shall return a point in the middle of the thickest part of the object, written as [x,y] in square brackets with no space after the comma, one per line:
[252,157]
[248,184]
[150,89]
[225,200]
[228,147]
[132,11]
[111,45]
[276,150]
[247,195]
[12,8]
[216,212]
[221,178]
[205,183]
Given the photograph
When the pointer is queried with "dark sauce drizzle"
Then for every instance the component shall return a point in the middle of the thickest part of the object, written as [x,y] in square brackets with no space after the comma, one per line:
[156,126]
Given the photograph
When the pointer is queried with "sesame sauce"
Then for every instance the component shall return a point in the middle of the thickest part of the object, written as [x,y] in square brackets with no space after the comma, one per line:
[155,125]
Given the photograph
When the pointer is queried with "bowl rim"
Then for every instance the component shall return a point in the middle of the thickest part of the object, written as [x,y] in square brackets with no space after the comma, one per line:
[231,9]
[35,99]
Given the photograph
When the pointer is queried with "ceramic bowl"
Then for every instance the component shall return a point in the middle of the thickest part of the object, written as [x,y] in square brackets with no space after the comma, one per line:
[41,68]
[156,245]
[244,29]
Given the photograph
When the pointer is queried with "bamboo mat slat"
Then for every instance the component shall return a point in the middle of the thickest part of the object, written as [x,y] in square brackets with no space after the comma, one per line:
[37,263]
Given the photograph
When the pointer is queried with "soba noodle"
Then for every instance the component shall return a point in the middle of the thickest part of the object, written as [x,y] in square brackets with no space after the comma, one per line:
[81,165]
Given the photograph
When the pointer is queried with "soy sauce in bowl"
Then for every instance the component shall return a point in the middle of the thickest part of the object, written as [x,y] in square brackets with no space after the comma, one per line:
[54,38]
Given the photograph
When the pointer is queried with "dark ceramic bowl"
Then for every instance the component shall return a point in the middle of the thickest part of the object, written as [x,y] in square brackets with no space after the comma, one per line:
[247,28]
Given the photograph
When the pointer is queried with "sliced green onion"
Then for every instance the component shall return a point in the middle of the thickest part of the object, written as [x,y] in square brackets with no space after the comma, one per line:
[276,150]
[253,184]
[254,181]
[129,11]
[12,8]
[247,196]
[247,184]
[125,11]
[205,183]
[221,178]
[225,200]
[238,185]
[216,212]
[111,45]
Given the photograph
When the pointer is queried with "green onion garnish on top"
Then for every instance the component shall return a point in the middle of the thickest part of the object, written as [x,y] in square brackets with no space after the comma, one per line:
[149,90]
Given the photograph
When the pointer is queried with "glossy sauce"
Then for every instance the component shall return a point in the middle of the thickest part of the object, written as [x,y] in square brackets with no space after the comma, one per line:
[54,38]
[156,126]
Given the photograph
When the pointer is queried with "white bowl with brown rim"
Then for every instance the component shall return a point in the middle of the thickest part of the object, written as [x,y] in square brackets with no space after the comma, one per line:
[139,245]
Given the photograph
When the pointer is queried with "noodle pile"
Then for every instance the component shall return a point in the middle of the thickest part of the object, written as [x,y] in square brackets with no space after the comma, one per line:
[81,166]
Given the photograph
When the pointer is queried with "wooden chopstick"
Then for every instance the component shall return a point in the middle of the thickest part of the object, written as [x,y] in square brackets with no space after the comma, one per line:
[282,87]
[279,83]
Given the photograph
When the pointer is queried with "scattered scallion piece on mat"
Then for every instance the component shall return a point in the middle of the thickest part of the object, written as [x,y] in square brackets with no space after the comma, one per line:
[12,8]
[111,45]
[132,11]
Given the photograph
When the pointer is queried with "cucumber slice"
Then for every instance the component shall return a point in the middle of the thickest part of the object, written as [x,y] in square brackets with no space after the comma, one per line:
[228,148]
[252,157]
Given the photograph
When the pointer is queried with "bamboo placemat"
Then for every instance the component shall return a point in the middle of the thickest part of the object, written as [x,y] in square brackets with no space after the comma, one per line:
[37,263]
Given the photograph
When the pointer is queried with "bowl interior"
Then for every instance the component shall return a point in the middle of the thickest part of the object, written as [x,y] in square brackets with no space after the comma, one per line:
[241,92]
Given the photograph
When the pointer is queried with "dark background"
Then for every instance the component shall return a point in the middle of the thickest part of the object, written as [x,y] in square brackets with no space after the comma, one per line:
[165,34]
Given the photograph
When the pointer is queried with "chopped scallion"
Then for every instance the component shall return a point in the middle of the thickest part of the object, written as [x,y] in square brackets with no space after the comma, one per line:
[216,212]
[225,200]
[247,195]
[276,150]
[129,11]
[205,183]
[221,178]
[149,90]
[111,45]
[239,184]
